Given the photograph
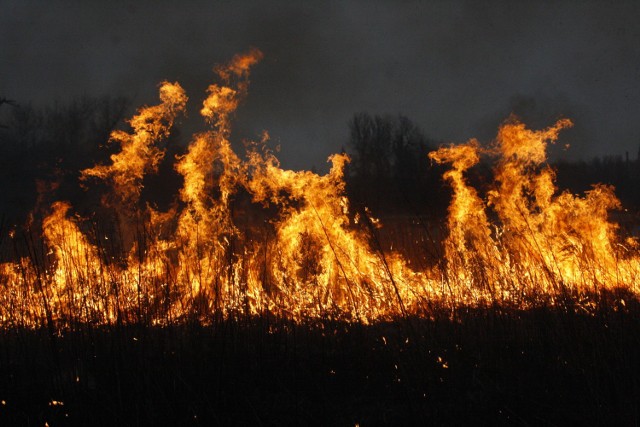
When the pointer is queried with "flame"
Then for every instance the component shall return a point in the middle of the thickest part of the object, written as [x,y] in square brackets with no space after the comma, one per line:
[212,172]
[138,155]
[246,236]
[541,244]
[469,244]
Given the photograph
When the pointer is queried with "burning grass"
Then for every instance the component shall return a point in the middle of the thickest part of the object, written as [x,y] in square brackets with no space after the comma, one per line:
[307,255]
[261,295]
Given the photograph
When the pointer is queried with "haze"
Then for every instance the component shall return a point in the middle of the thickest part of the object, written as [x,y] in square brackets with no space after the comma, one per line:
[457,69]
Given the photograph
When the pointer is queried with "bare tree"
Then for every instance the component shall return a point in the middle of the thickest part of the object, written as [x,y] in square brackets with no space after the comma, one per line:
[389,161]
[9,102]
[50,145]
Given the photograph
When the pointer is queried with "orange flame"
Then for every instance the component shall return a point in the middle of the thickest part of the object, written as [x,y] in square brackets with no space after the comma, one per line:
[304,254]
[138,154]
[541,243]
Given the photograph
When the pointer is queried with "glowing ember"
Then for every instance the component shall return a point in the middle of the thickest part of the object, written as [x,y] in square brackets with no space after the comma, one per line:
[305,255]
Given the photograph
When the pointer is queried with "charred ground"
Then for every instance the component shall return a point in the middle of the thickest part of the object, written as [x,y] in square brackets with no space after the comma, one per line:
[547,366]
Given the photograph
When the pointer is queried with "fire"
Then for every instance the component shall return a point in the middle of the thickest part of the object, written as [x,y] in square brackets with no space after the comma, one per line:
[305,253]
[138,153]
[542,245]
[469,243]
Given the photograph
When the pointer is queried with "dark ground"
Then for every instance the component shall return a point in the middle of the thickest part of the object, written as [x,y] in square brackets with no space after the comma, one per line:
[484,367]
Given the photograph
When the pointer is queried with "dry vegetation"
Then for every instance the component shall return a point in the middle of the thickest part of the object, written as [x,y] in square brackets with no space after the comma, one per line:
[260,297]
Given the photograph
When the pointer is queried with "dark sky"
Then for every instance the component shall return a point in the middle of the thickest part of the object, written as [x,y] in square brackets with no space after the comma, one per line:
[457,69]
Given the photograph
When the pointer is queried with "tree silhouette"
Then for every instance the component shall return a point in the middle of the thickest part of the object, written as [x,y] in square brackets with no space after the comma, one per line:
[8,102]
[42,150]
[390,170]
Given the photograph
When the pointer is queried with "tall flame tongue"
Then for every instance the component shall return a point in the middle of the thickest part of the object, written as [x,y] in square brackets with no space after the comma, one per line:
[469,246]
[306,256]
[212,172]
[542,245]
[138,153]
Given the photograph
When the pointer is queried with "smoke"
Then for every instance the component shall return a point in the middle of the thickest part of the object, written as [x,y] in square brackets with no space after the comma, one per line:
[449,66]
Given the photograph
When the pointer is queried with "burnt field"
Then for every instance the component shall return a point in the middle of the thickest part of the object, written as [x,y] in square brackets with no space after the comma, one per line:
[548,366]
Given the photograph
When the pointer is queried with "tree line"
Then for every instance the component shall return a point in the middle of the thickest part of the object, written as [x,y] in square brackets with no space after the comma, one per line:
[43,150]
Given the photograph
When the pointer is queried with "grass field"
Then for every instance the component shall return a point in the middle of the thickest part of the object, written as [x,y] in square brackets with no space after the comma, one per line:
[548,366]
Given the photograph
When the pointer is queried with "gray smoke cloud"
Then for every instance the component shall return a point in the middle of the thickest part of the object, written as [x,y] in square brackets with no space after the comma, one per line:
[456,68]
